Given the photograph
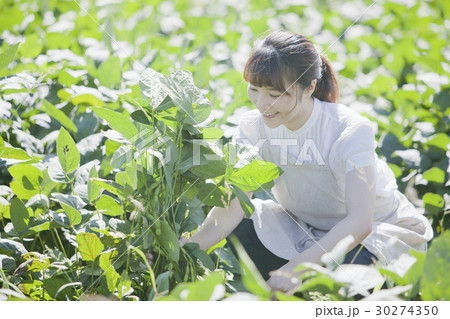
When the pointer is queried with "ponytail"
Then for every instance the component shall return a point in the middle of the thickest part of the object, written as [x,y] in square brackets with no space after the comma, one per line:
[327,88]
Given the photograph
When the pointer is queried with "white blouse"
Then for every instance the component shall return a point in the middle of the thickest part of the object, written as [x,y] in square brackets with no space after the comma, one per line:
[309,197]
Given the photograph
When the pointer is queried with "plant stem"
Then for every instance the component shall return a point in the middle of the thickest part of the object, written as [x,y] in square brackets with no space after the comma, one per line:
[60,243]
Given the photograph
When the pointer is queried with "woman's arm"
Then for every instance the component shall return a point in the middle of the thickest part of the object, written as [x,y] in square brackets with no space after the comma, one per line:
[219,223]
[360,203]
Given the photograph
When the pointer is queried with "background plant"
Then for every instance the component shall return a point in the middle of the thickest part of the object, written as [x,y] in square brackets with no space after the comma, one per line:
[81,147]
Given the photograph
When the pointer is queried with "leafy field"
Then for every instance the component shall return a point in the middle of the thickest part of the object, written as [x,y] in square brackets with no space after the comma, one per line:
[110,112]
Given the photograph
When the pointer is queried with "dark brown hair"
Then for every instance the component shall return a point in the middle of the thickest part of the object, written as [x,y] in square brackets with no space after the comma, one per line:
[289,56]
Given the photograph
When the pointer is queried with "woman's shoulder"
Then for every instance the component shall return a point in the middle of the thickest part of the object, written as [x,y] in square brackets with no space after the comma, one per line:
[343,118]
[342,114]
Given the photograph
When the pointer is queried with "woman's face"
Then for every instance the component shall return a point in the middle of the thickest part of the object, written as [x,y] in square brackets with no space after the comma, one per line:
[277,108]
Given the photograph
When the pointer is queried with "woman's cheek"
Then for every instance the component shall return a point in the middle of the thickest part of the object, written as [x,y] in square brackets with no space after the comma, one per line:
[251,97]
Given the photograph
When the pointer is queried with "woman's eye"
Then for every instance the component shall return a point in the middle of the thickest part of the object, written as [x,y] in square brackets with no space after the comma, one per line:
[274,96]
[252,89]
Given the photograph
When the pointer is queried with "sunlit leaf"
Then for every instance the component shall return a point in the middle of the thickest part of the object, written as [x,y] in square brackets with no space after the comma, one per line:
[7,56]
[254,175]
[59,115]
[109,73]
[108,206]
[19,215]
[118,122]
[14,153]
[68,154]
[89,246]
[435,284]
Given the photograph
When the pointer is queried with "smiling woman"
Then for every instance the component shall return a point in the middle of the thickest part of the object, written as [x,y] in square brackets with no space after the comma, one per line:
[288,108]
[334,187]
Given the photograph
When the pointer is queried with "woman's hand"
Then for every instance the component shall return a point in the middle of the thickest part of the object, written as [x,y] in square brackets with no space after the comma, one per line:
[284,280]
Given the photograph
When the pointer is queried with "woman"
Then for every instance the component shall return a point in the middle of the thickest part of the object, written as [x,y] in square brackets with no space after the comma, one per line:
[334,186]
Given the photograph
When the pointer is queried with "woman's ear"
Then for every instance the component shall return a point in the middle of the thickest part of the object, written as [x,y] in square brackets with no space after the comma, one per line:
[311,88]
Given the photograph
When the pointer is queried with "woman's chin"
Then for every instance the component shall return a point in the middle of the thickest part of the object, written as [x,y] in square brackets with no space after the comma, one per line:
[270,123]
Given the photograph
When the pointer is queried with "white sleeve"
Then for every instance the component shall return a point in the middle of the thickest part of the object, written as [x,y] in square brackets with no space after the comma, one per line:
[247,130]
[246,134]
[355,147]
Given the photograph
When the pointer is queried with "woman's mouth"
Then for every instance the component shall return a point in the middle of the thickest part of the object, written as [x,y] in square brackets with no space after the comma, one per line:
[270,116]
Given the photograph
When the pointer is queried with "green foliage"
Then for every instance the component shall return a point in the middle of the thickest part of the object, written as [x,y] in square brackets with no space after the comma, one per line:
[109,73]
[89,246]
[59,115]
[7,56]
[68,154]
[435,283]
[19,215]
[97,164]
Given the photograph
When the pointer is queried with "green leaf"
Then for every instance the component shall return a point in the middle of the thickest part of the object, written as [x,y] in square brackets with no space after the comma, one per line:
[72,213]
[434,175]
[109,73]
[110,186]
[27,182]
[36,261]
[212,133]
[414,274]
[12,248]
[127,178]
[124,284]
[244,201]
[212,169]
[169,241]
[433,203]
[435,283]
[202,290]
[7,56]
[118,122]
[109,272]
[440,140]
[108,206]
[67,79]
[395,169]
[254,175]
[123,155]
[162,285]
[32,46]
[93,189]
[14,153]
[68,154]
[57,40]
[179,86]
[201,255]
[19,215]
[73,201]
[442,98]
[41,227]
[251,277]
[7,263]
[88,99]
[59,115]
[59,286]
[141,117]
[211,194]
[89,246]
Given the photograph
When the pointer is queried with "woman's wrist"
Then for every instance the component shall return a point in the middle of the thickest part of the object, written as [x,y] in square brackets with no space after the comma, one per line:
[183,241]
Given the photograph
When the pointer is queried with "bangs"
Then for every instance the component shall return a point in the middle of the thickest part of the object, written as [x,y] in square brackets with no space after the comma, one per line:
[264,69]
